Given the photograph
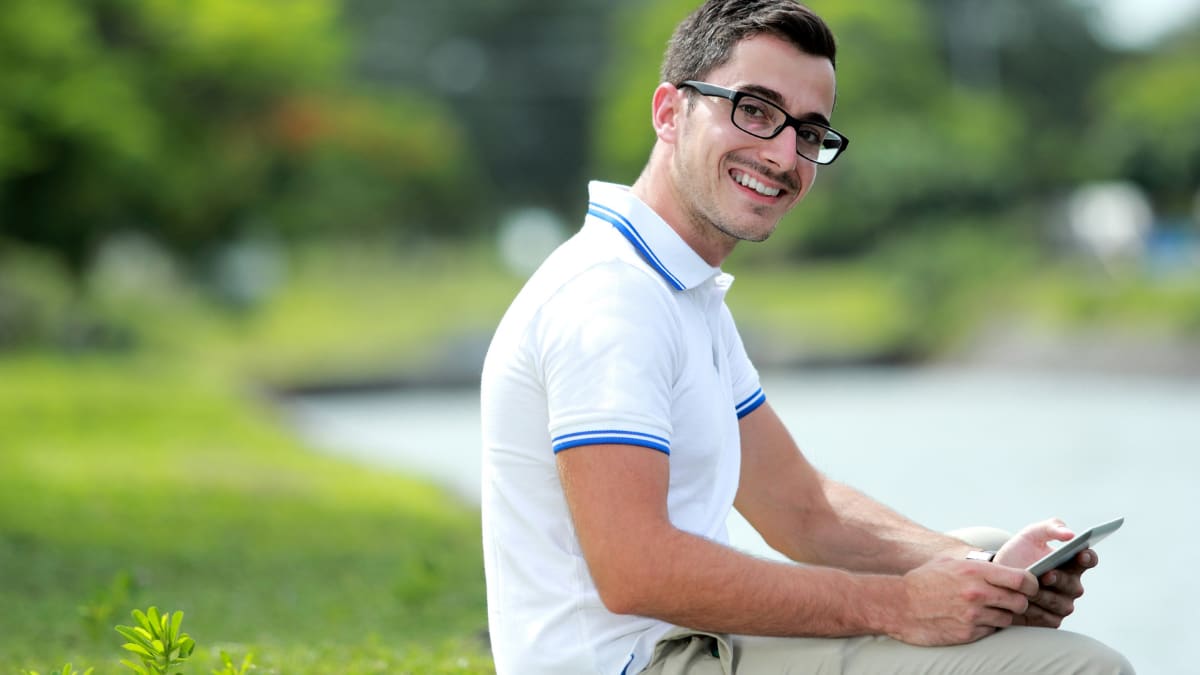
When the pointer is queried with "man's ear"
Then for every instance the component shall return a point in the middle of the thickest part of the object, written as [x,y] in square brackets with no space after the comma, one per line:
[667,111]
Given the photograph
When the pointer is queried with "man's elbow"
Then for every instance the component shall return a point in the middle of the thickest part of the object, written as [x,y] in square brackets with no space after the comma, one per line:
[633,573]
[630,584]
[622,594]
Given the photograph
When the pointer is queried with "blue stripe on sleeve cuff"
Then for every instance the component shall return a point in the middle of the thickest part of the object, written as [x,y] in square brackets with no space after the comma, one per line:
[613,436]
[751,404]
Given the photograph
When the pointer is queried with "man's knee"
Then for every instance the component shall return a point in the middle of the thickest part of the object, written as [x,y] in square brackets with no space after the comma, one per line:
[1078,654]
[1100,659]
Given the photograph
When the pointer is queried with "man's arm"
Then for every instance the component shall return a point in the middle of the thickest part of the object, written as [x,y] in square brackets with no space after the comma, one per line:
[813,519]
[643,565]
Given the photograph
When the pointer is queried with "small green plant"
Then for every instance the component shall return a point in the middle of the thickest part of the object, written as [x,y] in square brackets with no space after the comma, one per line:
[157,641]
[98,614]
[66,670]
[228,667]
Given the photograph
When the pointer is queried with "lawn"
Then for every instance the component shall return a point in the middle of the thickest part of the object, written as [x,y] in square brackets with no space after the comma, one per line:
[134,481]
[160,473]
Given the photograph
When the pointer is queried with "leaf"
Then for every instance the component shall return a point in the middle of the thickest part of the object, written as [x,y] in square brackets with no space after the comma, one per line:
[133,635]
[186,645]
[141,618]
[154,621]
[137,649]
[176,620]
[140,670]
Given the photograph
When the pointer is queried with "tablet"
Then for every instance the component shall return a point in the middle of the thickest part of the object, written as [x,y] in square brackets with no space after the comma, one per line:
[1065,553]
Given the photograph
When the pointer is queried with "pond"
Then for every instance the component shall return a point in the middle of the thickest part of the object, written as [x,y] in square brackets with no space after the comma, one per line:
[946,447]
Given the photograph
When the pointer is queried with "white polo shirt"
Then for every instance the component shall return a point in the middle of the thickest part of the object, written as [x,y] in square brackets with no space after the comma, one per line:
[622,336]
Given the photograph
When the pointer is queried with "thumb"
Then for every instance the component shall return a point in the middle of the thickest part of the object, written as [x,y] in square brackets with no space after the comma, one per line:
[1046,531]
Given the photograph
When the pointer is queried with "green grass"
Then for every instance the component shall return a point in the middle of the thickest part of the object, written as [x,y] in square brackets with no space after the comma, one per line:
[345,310]
[835,312]
[162,471]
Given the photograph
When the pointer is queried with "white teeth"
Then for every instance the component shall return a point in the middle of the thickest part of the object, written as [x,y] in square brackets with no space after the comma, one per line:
[758,187]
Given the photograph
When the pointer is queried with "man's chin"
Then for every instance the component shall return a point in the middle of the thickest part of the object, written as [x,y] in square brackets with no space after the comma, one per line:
[750,234]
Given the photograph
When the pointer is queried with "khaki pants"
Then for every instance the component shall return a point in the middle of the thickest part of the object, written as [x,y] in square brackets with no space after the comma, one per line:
[1012,651]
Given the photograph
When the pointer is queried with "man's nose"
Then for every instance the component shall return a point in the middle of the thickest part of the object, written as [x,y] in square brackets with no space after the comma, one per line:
[780,151]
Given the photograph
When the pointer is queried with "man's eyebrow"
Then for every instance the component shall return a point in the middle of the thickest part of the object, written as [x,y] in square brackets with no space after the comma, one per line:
[769,94]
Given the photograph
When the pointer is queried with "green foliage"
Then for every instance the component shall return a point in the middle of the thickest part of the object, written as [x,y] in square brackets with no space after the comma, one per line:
[951,110]
[622,134]
[1146,126]
[97,615]
[228,667]
[951,279]
[197,121]
[169,467]
[157,641]
[35,296]
[65,670]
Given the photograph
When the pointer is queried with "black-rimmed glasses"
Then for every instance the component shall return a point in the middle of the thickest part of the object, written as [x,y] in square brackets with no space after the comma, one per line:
[758,117]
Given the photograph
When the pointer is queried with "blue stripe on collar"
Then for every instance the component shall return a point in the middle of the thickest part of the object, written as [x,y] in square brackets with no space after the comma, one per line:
[635,238]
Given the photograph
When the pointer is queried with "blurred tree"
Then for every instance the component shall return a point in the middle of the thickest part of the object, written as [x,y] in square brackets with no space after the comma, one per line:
[951,106]
[520,75]
[1147,123]
[196,120]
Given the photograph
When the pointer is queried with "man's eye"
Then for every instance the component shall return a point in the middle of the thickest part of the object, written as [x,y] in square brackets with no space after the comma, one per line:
[809,135]
[752,110]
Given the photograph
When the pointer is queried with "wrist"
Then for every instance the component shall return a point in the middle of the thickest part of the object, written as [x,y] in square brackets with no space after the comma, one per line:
[885,606]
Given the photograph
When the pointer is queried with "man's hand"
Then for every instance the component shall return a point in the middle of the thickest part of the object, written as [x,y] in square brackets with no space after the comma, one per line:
[1058,589]
[957,601]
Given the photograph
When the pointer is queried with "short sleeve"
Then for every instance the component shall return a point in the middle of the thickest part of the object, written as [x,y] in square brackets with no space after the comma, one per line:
[608,347]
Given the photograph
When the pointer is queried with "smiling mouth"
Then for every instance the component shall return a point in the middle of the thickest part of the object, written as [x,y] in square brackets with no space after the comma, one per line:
[752,183]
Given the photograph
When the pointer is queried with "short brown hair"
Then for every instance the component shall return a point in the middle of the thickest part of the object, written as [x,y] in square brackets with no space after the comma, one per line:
[705,39]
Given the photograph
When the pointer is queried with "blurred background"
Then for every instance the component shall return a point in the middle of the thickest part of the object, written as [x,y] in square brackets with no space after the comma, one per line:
[234,232]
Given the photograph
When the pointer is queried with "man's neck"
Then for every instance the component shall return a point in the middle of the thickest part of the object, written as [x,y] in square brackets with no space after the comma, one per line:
[660,193]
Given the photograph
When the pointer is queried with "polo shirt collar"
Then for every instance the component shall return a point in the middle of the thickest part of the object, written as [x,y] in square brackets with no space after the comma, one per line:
[659,245]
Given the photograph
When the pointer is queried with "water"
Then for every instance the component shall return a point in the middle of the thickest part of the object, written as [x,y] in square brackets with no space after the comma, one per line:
[948,448]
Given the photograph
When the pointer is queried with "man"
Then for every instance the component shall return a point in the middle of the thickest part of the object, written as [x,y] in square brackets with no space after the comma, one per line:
[622,420]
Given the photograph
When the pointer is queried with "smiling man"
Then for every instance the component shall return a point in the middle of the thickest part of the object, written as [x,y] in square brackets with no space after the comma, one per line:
[622,420]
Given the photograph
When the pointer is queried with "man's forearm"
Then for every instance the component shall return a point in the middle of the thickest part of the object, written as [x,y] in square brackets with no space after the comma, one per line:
[862,534]
[694,582]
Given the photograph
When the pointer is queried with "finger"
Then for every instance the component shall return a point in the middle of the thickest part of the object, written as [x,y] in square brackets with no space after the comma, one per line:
[1055,529]
[995,618]
[1013,603]
[1053,603]
[1046,531]
[980,632]
[1085,560]
[1036,616]
[1063,583]
[1011,578]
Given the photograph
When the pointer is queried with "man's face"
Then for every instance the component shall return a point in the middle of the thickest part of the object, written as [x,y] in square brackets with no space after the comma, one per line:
[734,182]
